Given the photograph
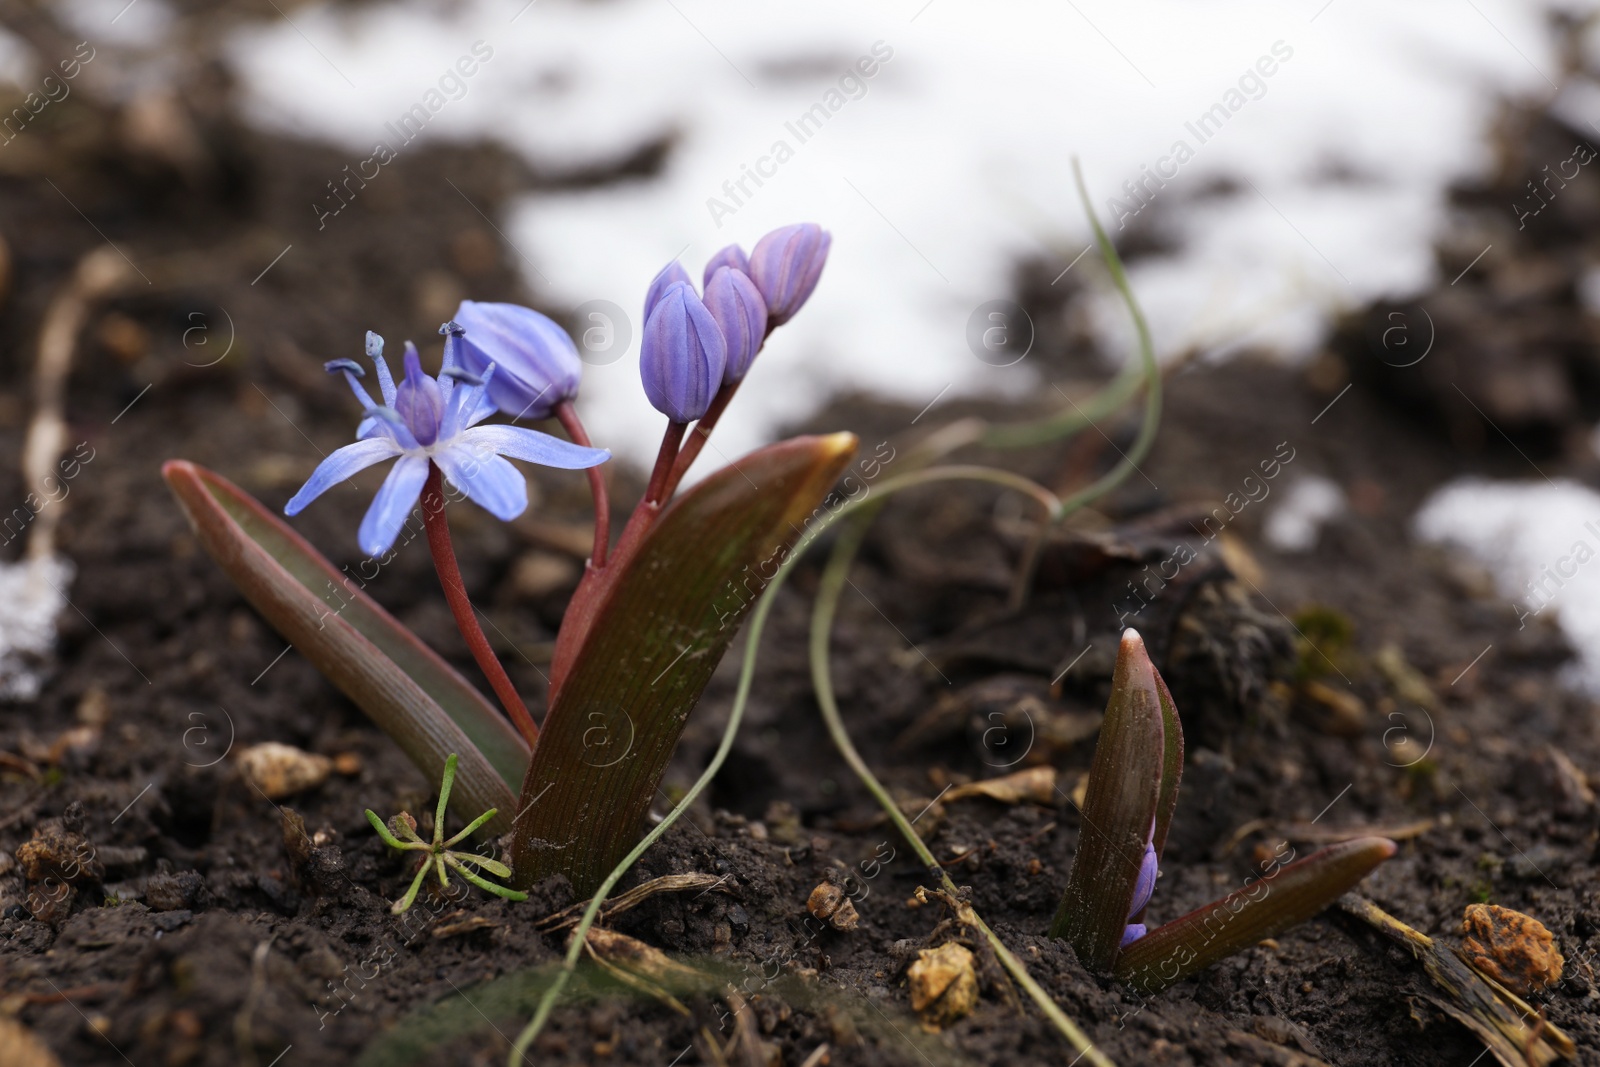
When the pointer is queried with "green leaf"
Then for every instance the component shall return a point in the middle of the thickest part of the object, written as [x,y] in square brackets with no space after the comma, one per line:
[650,651]
[1125,787]
[1171,764]
[402,684]
[1286,897]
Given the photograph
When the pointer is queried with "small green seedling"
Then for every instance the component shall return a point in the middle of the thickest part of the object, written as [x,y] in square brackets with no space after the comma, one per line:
[1127,810]
[438,851]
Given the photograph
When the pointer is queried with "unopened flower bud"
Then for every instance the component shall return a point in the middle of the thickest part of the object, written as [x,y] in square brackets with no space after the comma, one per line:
[682,355]
[670,275]
[732,256]
[785,266]
[736,305]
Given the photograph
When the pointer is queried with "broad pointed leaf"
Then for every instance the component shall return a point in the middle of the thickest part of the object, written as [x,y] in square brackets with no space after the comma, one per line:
[650,650]
[1286,897]
[1171,765]
[1125,782]
[402,684]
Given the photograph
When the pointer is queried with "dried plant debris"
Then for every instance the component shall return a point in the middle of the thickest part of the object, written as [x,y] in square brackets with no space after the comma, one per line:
[829,903]
[668,883]
[1512,948]
[944,985]
[1518,1035]
[1035,785]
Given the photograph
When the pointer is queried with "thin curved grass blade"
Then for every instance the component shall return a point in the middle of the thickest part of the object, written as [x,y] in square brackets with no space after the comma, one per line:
[402,684]
[1288,896]
[651,651]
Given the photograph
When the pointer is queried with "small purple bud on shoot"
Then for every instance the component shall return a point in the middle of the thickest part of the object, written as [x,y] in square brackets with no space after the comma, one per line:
[785,266]
[536,363]
[682,355]
[732,256]
[670,275]
[419,401]
[736,305]
[1146,884]
[1132,933]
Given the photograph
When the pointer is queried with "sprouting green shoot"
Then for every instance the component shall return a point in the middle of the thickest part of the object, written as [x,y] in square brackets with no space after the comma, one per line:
[401,833]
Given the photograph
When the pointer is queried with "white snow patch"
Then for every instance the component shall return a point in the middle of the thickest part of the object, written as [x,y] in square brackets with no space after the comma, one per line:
[1540,540]
[951,164]
[33,593]
[1297,521]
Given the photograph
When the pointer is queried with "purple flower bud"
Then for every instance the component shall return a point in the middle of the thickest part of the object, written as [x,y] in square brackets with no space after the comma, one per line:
[785,266]
[736,304]
[1131,933]
[419,401]
[732,256]
[670,275]
[1146,884]
[682,355]
[536,363]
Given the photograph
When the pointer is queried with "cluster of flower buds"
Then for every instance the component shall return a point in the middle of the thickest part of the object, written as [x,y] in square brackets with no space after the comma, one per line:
[694,344]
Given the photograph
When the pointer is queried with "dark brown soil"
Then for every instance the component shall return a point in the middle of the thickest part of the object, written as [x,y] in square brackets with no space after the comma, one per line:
[194,939]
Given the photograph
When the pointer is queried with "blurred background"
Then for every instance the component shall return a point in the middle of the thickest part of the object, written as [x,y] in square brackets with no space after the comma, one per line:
[1396,194]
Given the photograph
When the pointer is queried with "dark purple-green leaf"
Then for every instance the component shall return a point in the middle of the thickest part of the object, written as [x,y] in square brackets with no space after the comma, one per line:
[1264,908]
[649,651]
[402,684]
[1125,786]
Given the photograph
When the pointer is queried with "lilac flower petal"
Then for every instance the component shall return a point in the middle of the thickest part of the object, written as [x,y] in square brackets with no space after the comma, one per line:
[538,361]
[670,275]
[1132,933]
[519,442]
[339,467]
[393,504]
[732,256]
[489,481]
[385,379]
[466,404]
[1146,885]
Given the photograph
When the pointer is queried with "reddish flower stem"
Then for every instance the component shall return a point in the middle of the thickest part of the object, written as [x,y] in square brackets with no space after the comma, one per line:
[592,590]
[697,438]
[455,593]
[661,478]
[597,485]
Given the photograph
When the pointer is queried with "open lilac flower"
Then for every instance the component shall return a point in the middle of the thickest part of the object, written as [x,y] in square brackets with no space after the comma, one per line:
[434,420]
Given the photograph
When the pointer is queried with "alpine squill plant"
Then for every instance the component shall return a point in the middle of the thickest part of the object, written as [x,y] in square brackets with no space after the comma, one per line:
[653,613]
[1127,811]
